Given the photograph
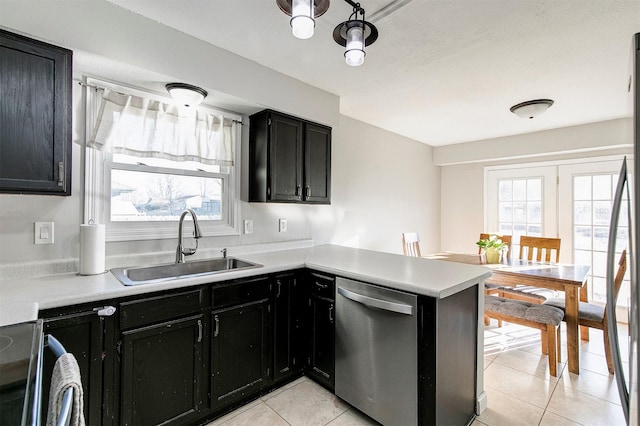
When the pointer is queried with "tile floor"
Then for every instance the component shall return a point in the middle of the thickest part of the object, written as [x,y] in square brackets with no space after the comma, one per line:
[519,389]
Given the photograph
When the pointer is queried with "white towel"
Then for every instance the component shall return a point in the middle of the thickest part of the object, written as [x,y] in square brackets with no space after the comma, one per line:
[66,374]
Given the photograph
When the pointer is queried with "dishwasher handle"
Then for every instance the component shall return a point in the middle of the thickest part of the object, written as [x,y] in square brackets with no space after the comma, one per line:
[386,305]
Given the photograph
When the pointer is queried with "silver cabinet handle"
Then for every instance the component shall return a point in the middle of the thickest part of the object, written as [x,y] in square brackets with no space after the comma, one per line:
[105,311]
[399,308]
[279,286]
[308,192]
[321,285]
[217,330]
[331,313]
[199,331]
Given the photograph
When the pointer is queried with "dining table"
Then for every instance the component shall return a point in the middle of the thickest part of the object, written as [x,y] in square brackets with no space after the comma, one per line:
[567,278]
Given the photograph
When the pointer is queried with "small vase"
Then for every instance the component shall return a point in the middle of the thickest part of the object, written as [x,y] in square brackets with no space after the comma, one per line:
[493,255]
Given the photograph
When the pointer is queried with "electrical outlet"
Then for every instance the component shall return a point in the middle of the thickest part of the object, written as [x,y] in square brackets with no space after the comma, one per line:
[248,226]
[43,233]
[282,225]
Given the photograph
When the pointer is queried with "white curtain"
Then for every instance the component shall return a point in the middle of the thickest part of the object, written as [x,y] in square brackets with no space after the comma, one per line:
[141,127]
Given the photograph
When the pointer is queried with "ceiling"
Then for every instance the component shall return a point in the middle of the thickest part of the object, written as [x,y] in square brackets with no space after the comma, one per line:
[442,71]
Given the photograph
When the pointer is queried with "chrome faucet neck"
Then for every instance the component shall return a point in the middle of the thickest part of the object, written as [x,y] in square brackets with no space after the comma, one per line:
[181,252]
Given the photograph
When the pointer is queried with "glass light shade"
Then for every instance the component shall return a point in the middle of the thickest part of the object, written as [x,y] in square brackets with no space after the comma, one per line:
[302,22]
[354,53]
[186,94]
[531,109]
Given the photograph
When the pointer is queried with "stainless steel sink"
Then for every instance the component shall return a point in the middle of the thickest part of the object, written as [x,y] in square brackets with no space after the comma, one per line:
[174,271]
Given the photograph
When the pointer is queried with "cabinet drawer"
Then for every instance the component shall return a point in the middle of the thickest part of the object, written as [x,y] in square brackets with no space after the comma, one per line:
[240,292]
[159,308]
[323,286]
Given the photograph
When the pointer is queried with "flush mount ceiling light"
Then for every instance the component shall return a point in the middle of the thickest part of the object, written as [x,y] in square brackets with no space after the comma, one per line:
[531,109]
[302,14]
[354,34]
[186,94]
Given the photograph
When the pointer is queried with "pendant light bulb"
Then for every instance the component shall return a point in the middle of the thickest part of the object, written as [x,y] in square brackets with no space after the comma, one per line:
[354,52]
[302,22]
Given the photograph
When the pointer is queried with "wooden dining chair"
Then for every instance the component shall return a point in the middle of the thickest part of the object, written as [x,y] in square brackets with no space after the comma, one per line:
[537,249]
[490,288]
[411,244]
[595,316]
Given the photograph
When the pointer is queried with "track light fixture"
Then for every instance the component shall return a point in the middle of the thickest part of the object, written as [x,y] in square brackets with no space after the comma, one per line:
[354,34]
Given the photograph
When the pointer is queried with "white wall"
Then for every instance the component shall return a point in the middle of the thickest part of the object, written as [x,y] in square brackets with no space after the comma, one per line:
[382,183]
[462,201]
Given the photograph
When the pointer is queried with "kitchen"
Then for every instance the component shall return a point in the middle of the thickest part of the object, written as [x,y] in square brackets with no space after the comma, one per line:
[113,43]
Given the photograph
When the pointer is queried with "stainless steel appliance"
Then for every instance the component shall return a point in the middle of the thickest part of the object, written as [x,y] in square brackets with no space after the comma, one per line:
[377,351]
[624,211]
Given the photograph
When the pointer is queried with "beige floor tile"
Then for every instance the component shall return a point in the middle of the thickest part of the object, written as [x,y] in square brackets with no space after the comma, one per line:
[234,413]
[353,417]
[260,414]
[503,409]
[594,384]
[518,384]
[585,409]
[551,419]
[283,388]
[535,364]
[307,404]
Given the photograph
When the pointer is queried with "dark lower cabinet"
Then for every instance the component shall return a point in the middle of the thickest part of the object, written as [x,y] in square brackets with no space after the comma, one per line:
[163,381]
[85,332]
[321,359]
[240,337]
[163,372]
[290,305]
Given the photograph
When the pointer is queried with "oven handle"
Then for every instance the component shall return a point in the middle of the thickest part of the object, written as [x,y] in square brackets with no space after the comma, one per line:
[386,305]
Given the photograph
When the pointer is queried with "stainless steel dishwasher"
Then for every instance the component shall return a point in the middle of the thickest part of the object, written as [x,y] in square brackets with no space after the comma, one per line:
[377,351]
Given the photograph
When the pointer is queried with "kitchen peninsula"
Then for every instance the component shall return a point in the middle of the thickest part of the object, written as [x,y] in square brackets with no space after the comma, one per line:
[450,382]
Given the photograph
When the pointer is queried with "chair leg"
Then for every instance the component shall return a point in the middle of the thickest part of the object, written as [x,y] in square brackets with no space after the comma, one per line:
[543,340]
[559,344]
[551,343]
[487,320]
[607,349]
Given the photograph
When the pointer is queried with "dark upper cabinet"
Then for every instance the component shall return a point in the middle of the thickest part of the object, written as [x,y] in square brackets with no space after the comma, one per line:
[289,159]
[321,358]
[35,116]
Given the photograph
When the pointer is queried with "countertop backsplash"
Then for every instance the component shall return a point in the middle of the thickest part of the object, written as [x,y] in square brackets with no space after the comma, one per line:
[38,268]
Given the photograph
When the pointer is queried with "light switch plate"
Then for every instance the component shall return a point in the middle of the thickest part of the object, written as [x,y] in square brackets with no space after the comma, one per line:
[282,225]
[43,233]
[248,226]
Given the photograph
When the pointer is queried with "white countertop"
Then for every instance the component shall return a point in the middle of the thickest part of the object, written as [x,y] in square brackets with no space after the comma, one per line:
[427,277]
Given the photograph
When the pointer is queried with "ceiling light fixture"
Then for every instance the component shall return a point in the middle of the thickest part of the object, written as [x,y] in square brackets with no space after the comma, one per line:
[354,34]
[186,94]
[531,109]
[302,14]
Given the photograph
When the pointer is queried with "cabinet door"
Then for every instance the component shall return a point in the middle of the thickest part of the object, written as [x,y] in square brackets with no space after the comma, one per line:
[35,116]
[163,379]
[290,307]
[322,359]
[317,164]
[240,352]
[82,334]
[285,159]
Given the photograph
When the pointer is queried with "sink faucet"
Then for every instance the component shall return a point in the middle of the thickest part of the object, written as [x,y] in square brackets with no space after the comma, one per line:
[224,253]
[181,252]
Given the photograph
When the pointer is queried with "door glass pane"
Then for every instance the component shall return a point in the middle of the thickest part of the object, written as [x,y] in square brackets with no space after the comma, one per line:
[520,207]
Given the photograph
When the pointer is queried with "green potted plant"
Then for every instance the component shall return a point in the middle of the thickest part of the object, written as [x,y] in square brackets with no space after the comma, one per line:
[493,248]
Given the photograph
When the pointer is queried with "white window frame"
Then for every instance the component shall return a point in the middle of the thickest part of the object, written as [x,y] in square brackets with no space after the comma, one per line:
[97,189]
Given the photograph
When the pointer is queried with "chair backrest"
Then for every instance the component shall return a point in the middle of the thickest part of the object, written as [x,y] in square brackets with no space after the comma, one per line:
[617,282]
[539,245]
[411,244]
[505,239]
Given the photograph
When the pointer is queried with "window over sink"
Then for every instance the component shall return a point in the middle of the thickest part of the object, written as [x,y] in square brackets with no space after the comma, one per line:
[147,160]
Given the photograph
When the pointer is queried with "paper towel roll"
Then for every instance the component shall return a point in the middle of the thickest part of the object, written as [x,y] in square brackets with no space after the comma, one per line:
[91,249]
